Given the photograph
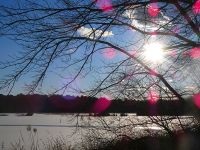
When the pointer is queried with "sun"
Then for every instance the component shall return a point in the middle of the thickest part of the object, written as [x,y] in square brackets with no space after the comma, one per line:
[154,52]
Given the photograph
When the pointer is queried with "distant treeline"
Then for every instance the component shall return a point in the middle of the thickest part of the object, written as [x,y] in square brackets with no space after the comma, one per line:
[102,106]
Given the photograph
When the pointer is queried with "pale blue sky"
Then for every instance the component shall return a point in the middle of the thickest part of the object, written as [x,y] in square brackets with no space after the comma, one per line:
[122,37]
[11,48]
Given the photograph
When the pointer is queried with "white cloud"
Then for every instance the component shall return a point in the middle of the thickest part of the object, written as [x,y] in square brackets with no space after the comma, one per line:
[93,33]
[140,19]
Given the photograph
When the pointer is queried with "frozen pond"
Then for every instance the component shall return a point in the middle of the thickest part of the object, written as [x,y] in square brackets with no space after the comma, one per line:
[48,126]
[13,128]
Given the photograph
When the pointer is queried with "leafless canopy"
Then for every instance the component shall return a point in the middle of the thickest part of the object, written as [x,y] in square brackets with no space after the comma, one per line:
[73,34]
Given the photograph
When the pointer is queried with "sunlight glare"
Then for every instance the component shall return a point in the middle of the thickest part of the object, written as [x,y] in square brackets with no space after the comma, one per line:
[154,52]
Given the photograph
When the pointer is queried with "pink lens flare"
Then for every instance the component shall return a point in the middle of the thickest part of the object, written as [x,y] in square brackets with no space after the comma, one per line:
[109,53]
[104,5]
[153,9]
[153,72]
[133,53]
[101,105]
[196,7]
[153,34]
[195,53]
[152,97]
[173,53]
[196,100]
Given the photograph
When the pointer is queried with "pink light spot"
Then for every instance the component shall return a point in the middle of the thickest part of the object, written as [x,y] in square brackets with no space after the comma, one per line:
[196,7]
[152,97]
[133,53]
[153,9]
[154,33]
[109,53]
[195,52]
[196,99]
[153,72]
[173,53]
[104,5]
[101,105]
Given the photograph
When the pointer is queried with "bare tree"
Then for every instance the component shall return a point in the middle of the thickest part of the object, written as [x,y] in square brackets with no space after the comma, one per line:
[74,31]
[73,34]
